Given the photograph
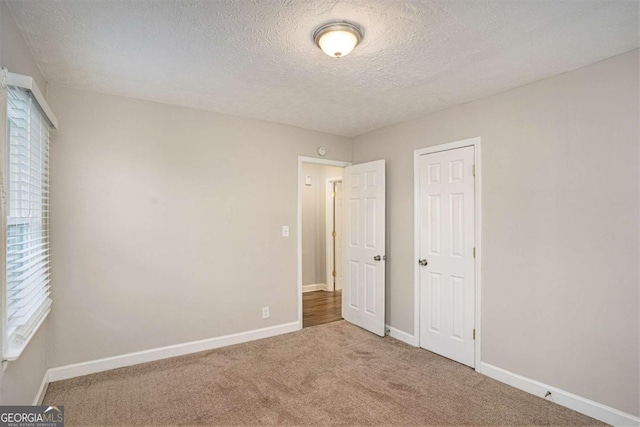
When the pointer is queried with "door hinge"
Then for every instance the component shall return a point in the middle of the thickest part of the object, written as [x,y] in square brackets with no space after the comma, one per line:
[474,252]
[474,334]
[333,233]
[473,170]
[334,194]
[333,273]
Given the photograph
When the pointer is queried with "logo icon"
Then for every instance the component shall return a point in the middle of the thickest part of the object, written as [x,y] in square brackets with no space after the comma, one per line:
[32,416]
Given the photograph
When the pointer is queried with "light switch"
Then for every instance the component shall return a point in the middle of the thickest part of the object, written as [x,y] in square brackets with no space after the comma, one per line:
[285,231]
[307,180]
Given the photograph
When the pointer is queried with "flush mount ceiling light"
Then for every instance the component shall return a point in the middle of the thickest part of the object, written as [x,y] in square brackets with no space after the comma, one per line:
[337,39]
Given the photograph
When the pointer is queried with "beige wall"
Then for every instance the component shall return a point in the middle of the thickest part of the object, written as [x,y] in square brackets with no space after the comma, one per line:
[161,235]
[20,382]
[166,223]
[314,234]
[23,377]
[560,226]
[14,52]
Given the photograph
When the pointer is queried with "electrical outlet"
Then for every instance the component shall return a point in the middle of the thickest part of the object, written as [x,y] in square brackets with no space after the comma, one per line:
[265,312]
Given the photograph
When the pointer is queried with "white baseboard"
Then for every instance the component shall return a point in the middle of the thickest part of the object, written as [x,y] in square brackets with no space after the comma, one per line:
[314,287]
[579,404]
[42,390]
[91,367]
[588,407]
[401,335]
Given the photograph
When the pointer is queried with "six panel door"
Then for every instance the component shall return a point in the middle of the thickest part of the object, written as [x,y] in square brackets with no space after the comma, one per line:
[446,200]
[363,296]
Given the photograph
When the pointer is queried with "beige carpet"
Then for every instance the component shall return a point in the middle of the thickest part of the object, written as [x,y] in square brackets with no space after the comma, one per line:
[328,374]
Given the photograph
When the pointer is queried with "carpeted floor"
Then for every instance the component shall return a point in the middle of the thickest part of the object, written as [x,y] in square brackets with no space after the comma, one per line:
[329,374]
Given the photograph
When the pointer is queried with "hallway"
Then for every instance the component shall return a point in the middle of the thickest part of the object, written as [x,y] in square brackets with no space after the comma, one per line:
[320,307]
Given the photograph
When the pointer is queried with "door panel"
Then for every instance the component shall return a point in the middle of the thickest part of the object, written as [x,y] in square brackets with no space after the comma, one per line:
[447,238]
[354,279]
[364,212]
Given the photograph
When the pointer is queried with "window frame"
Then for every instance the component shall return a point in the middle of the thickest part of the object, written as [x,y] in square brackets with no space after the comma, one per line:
[26,83]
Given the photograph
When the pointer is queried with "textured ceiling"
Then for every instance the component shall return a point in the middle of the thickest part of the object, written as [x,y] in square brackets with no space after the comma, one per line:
[256,58]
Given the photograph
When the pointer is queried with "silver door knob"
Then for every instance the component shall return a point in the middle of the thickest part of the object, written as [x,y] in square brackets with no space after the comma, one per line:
[377,258]
[422,262]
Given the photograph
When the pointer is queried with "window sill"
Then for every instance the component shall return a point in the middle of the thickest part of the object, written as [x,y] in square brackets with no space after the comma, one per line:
[13,352]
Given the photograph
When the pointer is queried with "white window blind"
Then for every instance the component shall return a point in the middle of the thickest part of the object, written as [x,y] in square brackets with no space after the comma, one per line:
[27,263]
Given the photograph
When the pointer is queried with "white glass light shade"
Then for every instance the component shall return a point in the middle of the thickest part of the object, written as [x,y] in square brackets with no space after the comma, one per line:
[338,43]
[337,39]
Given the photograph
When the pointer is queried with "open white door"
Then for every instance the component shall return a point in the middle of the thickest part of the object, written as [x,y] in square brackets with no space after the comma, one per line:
[364,245]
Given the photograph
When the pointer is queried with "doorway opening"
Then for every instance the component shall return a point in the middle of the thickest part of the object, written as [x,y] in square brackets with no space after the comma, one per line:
[363,246]
[321,238]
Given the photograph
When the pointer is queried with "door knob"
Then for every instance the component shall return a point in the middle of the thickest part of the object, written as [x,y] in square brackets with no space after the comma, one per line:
[423,262]
[377,258]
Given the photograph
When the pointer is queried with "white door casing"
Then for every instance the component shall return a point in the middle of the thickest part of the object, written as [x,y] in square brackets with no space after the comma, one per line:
[339,242]
[333,215]
[363,297]
[446,221]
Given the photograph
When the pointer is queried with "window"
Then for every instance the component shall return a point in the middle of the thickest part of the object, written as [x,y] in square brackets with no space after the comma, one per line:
[26,161]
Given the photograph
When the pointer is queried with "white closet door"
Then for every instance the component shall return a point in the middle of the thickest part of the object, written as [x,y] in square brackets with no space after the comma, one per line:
[447,240]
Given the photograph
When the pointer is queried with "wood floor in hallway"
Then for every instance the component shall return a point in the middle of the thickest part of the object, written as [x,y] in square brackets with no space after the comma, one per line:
[320,307]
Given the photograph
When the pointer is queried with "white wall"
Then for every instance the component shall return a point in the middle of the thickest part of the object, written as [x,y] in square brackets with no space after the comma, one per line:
[560,226]
[314,233]
[166,223]
[20,382]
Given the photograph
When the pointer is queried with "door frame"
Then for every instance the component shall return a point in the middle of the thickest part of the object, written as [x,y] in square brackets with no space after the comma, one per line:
[475,143]
[315,161]
[329,212]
